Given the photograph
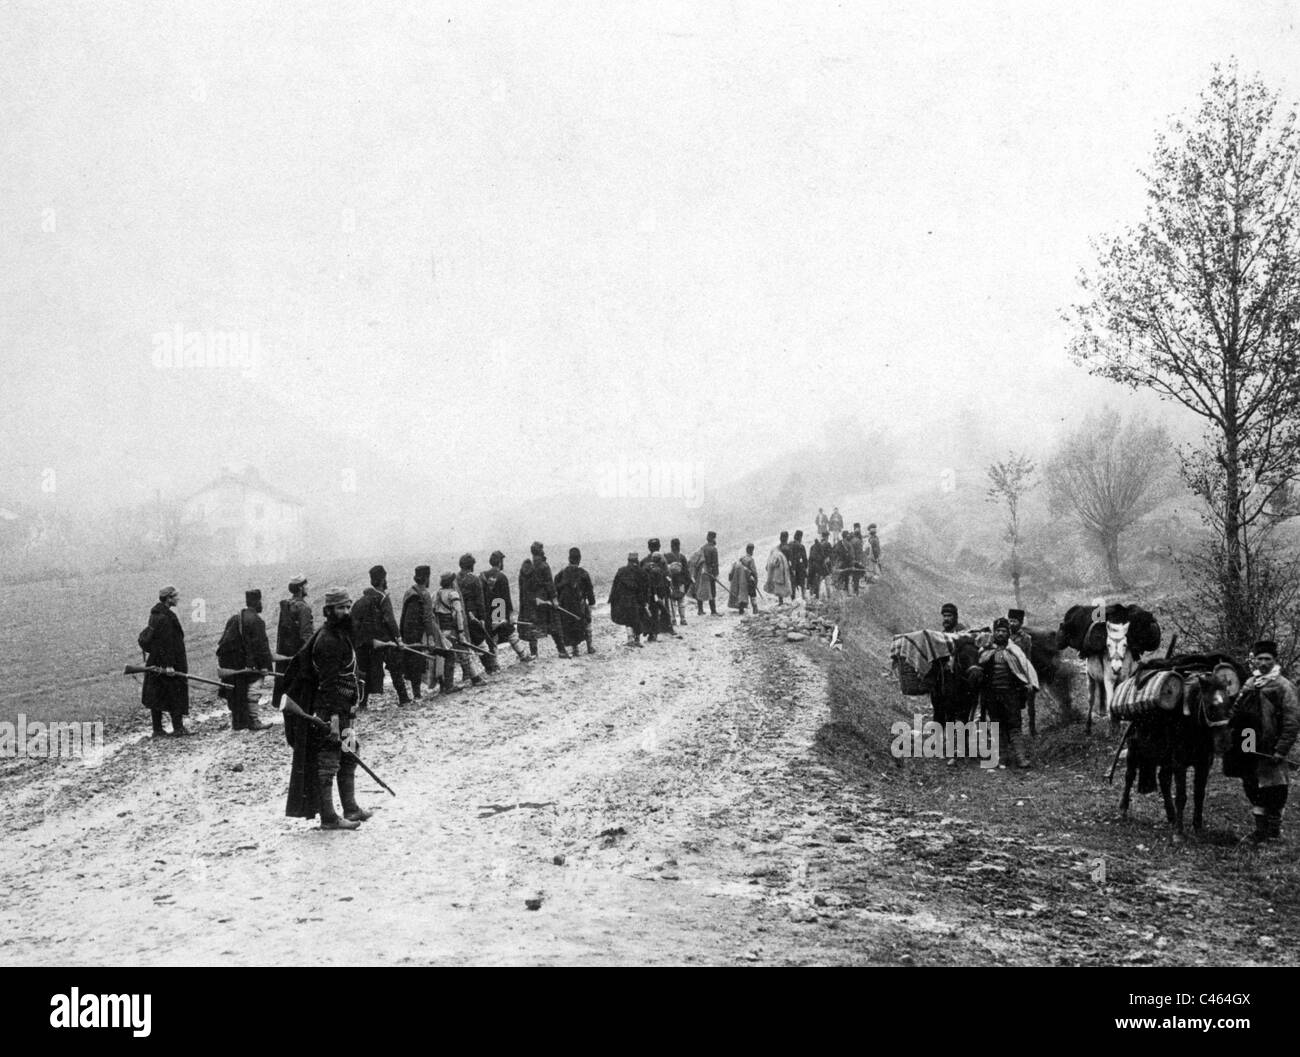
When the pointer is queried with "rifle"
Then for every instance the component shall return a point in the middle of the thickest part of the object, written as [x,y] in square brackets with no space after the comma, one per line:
[362,764]
[141,669]
[236,673]
[418,651]
[545,602]
[1266,756]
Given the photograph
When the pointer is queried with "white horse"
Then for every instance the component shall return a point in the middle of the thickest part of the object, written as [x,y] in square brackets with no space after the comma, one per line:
[1108,671]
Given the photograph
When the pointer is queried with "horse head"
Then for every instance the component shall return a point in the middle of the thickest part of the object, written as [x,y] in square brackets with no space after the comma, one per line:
[1118,656]
[1206,702]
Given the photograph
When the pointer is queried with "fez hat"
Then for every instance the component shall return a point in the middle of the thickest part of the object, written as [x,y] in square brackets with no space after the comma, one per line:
[948,607]
[1001,622]
[297,581]
[1016,614]
[798,534]
[652,544]
[711,536]
[784,536]
[676,544]
[1265,646]
[422,572]
[749,548]
[575,555]
[446,579]
[167,592]
[535,547]
[467,561]
[632,556]
[496,556]
[252,595]
[871,526]
[377,574]
[337,597]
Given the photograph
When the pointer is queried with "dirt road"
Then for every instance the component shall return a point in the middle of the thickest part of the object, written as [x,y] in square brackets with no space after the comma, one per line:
[672,781]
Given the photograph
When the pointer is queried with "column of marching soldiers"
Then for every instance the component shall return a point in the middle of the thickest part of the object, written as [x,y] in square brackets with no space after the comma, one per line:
[324,676]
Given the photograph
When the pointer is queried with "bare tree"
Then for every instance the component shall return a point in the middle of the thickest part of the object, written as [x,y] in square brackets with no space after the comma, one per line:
[1010,482]
[1199,303]
[1109,473]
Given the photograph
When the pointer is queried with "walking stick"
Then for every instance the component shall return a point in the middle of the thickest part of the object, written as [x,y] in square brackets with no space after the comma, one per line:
[140,669]
[1115,762]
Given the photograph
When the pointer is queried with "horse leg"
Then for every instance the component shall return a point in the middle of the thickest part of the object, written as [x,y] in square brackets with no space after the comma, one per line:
[1130,772]
[1166,780]
[1200,777]
[1180,796]
[1092,693]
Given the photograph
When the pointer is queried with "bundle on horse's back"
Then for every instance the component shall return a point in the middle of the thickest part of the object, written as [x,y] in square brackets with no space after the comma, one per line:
[1145,692]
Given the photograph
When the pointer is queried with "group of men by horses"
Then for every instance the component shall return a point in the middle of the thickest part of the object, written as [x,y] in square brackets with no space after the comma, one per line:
[1246,712]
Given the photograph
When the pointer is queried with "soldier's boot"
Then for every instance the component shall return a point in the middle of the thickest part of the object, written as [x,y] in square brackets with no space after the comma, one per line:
[713,608]
[1033,726]
[158,731]
[403,698]
[1018,755]
[178,725]
[251,719]
[490,664]
[590,647]
[329,818]
[1261,827]
[352,811]
[520,652]
[1274,827]
[532,648]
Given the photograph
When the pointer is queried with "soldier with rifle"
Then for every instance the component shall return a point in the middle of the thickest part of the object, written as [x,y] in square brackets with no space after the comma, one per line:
[323,693]
[679,579]
[704,569]
[292,632]
[244,658]
[474,600]
[537,612]
[449,611]
[575,596]
[373,621]
[496,590]
[819,563]
[163,645]
[418,627]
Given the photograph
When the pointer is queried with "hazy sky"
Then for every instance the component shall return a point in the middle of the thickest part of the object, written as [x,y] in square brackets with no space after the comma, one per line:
[527,238]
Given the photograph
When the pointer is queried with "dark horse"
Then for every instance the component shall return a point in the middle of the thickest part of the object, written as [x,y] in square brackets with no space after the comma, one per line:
[1188,735]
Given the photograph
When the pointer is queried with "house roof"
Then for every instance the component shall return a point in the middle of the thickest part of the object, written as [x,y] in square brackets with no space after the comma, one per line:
[249,479]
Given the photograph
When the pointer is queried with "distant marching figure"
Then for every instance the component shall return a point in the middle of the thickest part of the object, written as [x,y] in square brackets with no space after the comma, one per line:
[679,574]
[778,572]
[873,542]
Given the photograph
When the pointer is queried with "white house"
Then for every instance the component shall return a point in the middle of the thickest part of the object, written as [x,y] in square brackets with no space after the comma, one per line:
[240,519]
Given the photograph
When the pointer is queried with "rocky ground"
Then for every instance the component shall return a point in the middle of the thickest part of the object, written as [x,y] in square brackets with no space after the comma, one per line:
[689,802]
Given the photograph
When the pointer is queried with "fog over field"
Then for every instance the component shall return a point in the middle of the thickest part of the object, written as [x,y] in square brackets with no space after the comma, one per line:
[440,270]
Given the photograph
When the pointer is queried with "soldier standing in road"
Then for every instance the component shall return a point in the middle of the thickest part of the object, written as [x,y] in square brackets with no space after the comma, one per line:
[705,572]
[1008,679]
[419,628]
[574,592]
[1265,721]
[323,694]
[449,611]
[1016,618]
[679,576]
[472,596]
[295,627]
[244,646]
[373,621]
[627,597]
[536,601]
[798,555]
[819,563]
[501,611]
[163,643]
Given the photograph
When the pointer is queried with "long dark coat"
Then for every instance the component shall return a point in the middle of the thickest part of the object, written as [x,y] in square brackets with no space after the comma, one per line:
[627,596]
[166,649]
[574,592]
[535,582]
